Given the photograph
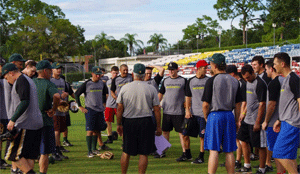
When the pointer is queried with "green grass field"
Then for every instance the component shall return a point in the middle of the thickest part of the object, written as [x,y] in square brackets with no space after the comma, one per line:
[78,161]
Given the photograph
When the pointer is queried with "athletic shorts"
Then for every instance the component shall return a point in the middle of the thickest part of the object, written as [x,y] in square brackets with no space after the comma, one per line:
[138,136]
[47,140]
[94,121]
[109,114]
[220,131]
[3,127]
[257,139]
[271,138]
[202,125]
[172,121]
[26,144]
[287,142]
[59,123]
[68,119]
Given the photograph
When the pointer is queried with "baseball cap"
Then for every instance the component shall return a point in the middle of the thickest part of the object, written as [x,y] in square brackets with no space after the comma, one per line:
[139,68]
[96,70]
[56,65]
[231,69]
[201,63]
[172,66]
[217,59]
[7,68]
[16,57]
[44,64]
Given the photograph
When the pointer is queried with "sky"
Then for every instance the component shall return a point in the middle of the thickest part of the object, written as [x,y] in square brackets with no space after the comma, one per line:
[143,17]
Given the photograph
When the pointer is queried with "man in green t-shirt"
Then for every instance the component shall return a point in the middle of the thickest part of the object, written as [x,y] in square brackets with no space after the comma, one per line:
[47,93]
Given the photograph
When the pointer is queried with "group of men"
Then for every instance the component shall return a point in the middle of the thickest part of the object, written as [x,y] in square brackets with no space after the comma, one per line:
[256,110]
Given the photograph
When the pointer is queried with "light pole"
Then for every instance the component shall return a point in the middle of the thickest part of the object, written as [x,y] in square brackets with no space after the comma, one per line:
[274,26]
[178,46]
[219,33]
[197,36]
[246,29]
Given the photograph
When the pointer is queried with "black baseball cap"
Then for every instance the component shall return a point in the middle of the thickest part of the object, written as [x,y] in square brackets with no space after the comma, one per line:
[97,70]
[139,68]
[8,67]
[56,65]
[44,64]
[16,57]
[172,66]
[218,59]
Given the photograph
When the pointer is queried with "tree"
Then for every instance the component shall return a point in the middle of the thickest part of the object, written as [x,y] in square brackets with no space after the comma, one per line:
[129,39]
[156,40]
[231,9]
[102,39]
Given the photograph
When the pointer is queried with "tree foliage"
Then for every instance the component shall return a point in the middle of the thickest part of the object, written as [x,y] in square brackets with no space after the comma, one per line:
[156,40]
[129,40]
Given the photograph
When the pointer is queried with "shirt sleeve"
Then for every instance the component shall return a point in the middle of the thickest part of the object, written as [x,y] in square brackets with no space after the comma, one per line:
[52,89]
[188,91]
[294,85]
[80,91]
[113,85]
[105,91]
[244,91]
[23,88]
[261,91]
[208,90]
[155,100]
[162,89]
[158,79]
[274,90]
[120,96]
[70,90]
[238,97]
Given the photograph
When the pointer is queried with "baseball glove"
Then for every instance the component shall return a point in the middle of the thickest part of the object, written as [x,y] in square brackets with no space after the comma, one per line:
[63,106]
[106,155]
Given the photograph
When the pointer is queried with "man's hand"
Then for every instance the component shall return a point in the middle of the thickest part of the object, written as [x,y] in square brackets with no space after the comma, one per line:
[276,126]
[83,110]
[64,95]
[188,114]
[10,125]
[50,112]
[120,130]
[256,127]
[158,131]
[264,125]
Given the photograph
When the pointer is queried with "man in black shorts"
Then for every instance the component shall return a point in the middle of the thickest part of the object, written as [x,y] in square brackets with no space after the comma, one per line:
[134,119]
[26,117]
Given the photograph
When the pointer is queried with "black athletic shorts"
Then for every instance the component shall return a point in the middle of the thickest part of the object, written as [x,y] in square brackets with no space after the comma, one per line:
[256,139]
[26,144]
[68,119]
[172,121]
[138,136]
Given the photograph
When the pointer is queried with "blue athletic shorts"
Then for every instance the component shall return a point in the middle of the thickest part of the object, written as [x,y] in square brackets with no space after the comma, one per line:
[271,138]
[220,130]
[94,120]
[202,124]
[287,142]
[48,140]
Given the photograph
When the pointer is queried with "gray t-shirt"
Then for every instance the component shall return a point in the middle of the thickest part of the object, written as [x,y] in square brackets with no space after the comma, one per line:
[105,78]
[61,86]
[138,103]
[273,94]
[95,94]
[195,89]
[174,95]
[155,81]
[3,114]
[288,106]
[222,92]
[7,97]
[110,102]
[118,82]
[256,93]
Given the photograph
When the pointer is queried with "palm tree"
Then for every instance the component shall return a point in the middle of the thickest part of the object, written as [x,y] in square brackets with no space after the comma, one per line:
[129,40]
[103,39]
[157,39]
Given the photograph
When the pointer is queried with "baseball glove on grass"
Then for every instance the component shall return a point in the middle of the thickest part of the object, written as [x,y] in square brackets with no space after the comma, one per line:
[106,155]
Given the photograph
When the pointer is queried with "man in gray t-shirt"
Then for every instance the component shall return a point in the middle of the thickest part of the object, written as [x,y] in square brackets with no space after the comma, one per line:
[134,119]
[157,79]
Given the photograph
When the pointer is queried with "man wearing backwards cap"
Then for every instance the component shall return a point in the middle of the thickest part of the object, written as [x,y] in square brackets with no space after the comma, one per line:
[221,95]
[194,92]
[95,91]
[134,119]
[26,116]
[173,91]
[47,94]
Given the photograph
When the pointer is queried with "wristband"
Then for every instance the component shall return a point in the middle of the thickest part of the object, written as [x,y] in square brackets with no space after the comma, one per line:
[243,113]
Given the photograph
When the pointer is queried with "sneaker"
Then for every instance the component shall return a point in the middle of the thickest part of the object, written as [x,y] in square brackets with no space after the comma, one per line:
[4,164]
[56,157]
[104,147]
[62,149]
[198,161]
[181,158]
[238,165]
[108,141]
[260,172]
[90,155]
[189,157]
[160,156]
[244,169]
[51,160]
[67,143]
[269,168]
[62,156]
[254,157]
[96,152]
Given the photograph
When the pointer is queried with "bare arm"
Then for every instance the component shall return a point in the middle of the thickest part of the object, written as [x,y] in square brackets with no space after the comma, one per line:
[157,115]
[113,95]
[205,108]
[160,96]
[160,69]
[120,111]
[188,113]
[237,112]
[260,115]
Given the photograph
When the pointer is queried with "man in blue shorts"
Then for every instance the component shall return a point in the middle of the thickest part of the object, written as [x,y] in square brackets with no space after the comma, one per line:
[221,95]
[288,124]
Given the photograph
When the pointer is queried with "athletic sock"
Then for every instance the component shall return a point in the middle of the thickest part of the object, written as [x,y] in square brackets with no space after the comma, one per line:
[89,143]
[201,155]
[247,165]
[262,169]
[65,139]
[94,142]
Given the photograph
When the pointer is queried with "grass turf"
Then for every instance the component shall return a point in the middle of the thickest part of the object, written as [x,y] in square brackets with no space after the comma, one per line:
[78,161]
